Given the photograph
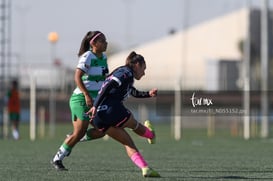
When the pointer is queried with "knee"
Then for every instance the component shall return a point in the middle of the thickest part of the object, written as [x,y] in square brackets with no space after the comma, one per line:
[77,135]
[94,133]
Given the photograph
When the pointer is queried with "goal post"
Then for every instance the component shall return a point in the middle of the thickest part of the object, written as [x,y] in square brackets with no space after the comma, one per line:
[32,122]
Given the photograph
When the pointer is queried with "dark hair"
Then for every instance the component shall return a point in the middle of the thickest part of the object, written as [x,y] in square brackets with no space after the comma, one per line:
[85,44]
[134,58]
[14,83]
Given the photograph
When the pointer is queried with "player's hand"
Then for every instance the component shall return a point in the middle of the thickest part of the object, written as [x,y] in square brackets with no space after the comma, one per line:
[153,92]
[92,111]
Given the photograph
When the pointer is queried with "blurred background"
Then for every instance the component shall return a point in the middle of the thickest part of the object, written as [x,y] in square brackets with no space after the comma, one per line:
[210,59]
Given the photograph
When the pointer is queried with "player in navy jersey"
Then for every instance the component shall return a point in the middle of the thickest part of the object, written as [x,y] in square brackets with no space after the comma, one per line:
[111,116]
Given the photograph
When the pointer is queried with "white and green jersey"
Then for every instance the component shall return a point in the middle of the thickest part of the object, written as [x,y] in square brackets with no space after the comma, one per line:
[95,70]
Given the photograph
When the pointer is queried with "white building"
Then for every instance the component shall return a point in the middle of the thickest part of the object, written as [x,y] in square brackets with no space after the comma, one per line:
[182,57]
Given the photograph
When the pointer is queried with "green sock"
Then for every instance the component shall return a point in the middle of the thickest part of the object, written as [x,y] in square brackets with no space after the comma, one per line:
[67,147]
[88,134]
[63,151]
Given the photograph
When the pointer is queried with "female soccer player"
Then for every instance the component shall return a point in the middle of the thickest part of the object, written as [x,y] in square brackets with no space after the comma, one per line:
[110,115]
[13,102]
[90,73]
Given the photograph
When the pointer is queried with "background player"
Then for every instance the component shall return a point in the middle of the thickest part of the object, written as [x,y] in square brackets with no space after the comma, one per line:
[13,102]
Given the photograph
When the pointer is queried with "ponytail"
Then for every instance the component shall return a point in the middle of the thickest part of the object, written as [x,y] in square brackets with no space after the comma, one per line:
[85,44]
[134,58]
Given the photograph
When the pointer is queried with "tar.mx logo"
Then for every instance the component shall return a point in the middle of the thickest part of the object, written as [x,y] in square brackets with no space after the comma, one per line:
[200,101]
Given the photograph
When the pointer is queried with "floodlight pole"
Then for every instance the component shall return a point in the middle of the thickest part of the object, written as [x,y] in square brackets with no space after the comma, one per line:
[264,69]
[53,38]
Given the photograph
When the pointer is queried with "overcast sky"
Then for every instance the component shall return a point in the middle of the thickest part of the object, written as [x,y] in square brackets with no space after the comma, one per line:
[125,23]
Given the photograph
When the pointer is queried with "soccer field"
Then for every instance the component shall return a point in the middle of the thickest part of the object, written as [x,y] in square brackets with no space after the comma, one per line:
[195,157]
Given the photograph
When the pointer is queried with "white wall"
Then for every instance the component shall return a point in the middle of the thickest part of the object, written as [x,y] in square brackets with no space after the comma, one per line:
[185,53]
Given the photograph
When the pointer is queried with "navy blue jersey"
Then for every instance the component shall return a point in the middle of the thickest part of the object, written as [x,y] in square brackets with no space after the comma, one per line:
[118,86]
[123,76]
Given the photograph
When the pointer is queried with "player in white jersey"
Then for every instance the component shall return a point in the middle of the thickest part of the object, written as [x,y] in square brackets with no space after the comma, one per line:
[90,73]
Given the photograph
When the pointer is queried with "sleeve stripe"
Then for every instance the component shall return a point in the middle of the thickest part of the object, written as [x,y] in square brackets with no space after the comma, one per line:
[117,80]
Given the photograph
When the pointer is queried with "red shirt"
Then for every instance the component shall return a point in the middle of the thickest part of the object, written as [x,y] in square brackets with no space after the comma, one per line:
[13,101]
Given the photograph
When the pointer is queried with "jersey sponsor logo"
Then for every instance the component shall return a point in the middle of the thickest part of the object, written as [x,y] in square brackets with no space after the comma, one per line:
[102,108]
[105,71]
[86,66]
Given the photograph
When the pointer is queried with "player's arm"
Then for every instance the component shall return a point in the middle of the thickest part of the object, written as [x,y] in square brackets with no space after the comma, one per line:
[105,89]
[143,94]
[78,80]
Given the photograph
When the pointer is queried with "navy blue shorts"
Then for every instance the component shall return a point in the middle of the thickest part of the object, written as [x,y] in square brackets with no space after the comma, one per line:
[111,114]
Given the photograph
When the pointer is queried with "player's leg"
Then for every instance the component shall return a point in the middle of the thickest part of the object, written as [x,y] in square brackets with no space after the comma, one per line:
[78,108]
[124,138]
[79,129]
[15,130]
[14,117]
[146,131]
[92,134]
[80,123]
